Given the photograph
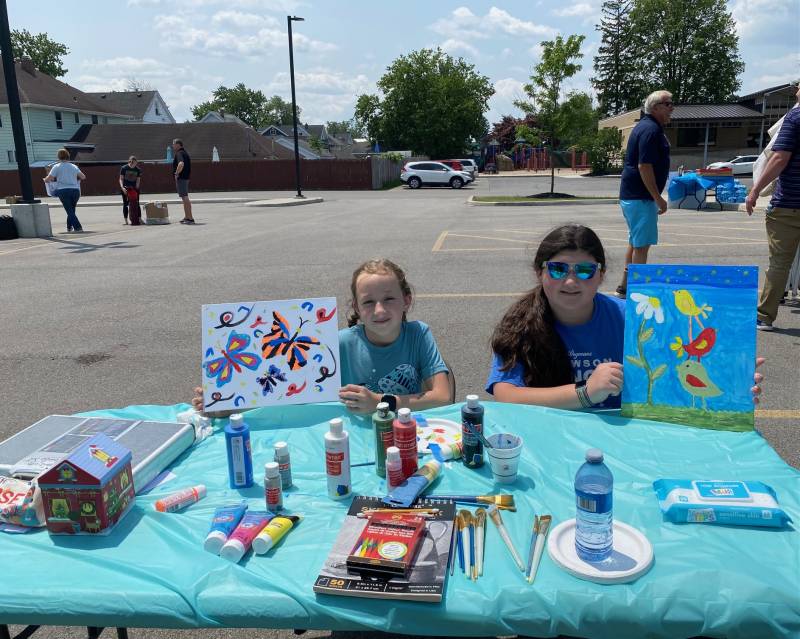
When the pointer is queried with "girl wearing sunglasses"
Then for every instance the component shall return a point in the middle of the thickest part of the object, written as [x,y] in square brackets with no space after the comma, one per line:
[552,339]
[561,344]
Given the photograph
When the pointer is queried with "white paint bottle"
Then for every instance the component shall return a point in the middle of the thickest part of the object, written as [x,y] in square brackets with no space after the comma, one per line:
[337,460]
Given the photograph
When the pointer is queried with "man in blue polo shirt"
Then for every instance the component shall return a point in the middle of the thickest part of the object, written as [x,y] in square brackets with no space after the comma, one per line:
[783,213]
[643,179]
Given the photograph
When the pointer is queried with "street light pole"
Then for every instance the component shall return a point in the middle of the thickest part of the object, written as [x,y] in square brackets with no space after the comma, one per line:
[289,20]
[12,91]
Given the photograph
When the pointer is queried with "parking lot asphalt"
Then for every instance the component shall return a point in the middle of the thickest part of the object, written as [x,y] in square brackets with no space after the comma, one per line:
[111,317]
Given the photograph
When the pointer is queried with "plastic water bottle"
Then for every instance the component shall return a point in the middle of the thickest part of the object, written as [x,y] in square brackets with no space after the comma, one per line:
[594,487]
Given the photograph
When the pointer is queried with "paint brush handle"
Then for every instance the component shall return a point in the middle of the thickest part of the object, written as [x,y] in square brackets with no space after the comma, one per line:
[464,499]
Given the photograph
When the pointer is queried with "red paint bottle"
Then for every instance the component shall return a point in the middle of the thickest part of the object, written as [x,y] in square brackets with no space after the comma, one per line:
[405,438]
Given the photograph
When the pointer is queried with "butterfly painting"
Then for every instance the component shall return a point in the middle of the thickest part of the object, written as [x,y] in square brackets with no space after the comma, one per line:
[234,357]
[271,378]
[280,352]
[281,340]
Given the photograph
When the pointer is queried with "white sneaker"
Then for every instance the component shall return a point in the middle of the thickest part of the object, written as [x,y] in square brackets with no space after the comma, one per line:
[763,326]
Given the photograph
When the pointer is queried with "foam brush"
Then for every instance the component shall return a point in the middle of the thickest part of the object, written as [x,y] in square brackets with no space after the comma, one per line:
[503,502]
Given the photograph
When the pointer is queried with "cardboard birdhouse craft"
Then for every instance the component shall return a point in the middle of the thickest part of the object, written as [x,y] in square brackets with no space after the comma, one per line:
[89,491]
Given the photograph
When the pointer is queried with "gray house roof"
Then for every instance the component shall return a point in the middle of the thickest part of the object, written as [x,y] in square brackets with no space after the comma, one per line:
[39,88]
[116,142]
[713,112]
[285,129]
[133,103]
[221,116]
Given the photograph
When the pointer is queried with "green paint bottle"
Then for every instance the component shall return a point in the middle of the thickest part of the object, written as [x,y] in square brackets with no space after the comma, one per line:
[382,420]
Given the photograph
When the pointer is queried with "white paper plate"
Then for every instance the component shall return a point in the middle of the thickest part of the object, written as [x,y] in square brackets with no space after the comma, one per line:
[439,431]
[631,558]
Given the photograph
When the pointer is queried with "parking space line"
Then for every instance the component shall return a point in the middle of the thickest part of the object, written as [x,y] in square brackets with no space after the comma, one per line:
[437,245]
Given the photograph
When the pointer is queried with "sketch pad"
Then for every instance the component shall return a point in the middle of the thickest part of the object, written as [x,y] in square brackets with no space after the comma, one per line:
[153,445]
[631,558]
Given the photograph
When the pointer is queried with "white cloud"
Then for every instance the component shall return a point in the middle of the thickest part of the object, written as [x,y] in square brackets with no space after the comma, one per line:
[277,6]
[463,25]
[575,10]
[509,88]
[454,46]
[758,19]
[241,20]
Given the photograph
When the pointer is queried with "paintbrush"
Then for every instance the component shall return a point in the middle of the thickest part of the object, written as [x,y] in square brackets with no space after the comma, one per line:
[503,502]
[453,547]
[494,515]
[534,532]
[471,525]
[465,516]
[544,526]
[459,527]
[480,526]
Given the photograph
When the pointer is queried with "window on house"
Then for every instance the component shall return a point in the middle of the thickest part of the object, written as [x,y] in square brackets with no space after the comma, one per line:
[1,121]
[12,155]
[696,137]
[158,112]
[94,119]
[105,119]
[77,118]
[59,123]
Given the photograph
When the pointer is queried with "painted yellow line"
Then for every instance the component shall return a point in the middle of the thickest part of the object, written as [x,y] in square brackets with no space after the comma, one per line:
[715,237]
[486,237]
[778,414]
[60,240]
[437,245]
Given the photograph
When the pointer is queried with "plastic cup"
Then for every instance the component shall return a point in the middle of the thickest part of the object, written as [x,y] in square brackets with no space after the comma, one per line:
[504,456]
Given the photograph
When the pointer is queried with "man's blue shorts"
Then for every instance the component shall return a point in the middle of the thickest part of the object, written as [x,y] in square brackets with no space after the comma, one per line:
[642,219]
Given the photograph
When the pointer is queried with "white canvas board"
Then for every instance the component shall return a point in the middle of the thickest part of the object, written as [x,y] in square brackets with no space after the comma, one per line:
[270,353]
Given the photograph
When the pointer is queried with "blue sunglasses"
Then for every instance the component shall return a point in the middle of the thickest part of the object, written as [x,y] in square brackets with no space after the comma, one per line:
[581,270]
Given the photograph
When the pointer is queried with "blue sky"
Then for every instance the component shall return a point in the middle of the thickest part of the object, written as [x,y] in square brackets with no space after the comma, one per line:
[186,48]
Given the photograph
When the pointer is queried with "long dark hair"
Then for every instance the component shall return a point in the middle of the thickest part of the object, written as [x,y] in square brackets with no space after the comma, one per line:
[527,333]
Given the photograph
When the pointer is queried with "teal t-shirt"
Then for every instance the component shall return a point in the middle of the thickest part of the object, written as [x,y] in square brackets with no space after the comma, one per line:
[396,369]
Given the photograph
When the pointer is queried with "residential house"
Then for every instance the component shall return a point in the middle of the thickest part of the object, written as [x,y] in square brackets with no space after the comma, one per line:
[52,111]
[772,103]
[114,143]
[333,146]
[221,116]
[141,106]
[700,133]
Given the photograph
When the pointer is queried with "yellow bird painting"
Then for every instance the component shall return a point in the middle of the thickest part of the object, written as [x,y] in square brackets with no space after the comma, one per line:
[685,304]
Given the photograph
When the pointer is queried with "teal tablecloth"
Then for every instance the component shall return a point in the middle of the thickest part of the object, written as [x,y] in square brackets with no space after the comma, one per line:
[152,571]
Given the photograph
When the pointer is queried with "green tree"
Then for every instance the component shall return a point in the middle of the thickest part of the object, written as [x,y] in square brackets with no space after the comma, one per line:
[252,107]
[432,104]
[559,62]
[688,48]
[577,119]
[604,147]
[316,144]
[46,54]
[345,126]
[617,80]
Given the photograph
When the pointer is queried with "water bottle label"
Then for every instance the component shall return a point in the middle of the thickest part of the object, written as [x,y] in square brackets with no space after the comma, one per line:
[237,460]
[593,503]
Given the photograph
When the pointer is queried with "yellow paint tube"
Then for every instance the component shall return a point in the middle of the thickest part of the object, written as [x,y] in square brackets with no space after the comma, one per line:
[273,533]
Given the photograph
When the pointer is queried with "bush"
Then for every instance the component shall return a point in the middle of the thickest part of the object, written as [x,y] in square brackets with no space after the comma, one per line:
[394,156]
[605,149]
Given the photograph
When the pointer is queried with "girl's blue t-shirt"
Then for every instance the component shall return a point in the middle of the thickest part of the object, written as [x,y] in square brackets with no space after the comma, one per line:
[599,340]
[397,369]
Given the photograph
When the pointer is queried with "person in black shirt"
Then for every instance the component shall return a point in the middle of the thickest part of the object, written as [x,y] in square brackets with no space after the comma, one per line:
[643,179]
[182,168]
[130,177]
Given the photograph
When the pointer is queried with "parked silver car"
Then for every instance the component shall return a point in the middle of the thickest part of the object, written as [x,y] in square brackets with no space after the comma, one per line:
[416,174]
[470,166]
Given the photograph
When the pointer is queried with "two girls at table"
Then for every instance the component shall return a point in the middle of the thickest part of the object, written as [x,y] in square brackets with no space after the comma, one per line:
[560,345]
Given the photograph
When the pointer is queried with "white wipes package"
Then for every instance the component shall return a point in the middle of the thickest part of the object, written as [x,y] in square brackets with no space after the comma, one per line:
[20,503]
[739,503]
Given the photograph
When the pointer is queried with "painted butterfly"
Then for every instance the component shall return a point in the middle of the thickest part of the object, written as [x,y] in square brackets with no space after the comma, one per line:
[281,341]
[271,379]
[233,358]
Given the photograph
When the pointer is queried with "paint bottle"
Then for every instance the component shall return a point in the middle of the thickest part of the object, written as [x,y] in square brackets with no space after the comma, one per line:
[394,468]
[272,487]
[225,520]
[179,500]
[382,420]
[240,459]
[406,493]
[337,460]
[242,537]
[273,533]
[284,465]
[471,421]
[405,438]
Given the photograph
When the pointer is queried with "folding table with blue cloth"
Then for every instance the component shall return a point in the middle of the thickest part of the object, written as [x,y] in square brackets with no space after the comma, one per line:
[690,190]
[152,571]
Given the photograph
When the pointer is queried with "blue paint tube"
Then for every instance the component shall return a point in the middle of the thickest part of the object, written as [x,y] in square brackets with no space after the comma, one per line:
[226,518]
[405,494]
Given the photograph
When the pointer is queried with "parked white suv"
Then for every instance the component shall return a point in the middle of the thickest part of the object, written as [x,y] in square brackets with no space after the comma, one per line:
[415,174]
[470,166]
[741,164]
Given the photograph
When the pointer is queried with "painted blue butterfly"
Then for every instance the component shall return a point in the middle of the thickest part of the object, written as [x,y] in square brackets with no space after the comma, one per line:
[271,379]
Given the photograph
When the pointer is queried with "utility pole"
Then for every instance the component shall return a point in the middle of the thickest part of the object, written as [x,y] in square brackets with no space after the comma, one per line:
[289,20]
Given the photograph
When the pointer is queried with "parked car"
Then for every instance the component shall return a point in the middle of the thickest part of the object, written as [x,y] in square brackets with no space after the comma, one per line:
[741,164]
[453,164]
[415,174]
[470,166]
